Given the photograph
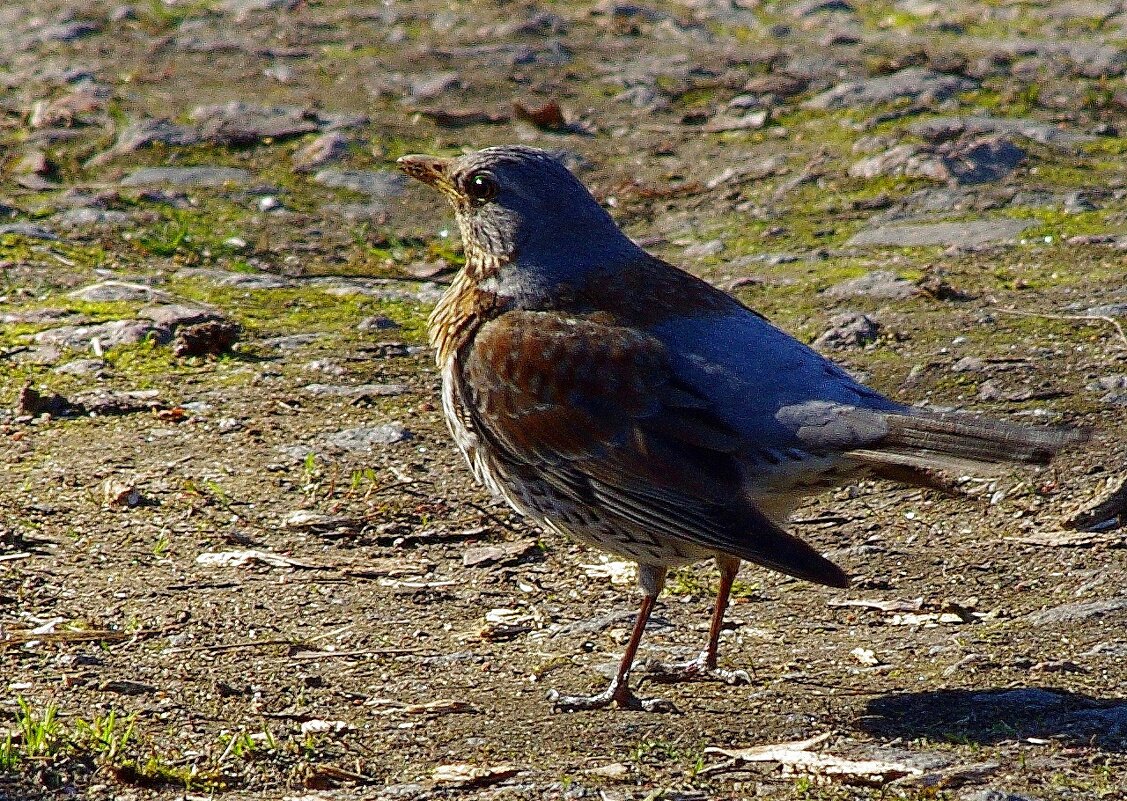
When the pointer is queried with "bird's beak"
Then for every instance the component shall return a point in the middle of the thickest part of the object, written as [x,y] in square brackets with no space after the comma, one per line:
[431,170]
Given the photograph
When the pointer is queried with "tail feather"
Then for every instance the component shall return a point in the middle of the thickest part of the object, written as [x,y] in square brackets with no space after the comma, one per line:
[963,442]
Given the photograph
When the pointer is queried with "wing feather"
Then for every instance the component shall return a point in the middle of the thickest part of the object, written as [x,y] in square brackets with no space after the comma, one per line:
[595,410]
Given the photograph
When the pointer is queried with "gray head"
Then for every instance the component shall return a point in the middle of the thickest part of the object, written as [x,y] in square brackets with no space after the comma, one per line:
[524,216]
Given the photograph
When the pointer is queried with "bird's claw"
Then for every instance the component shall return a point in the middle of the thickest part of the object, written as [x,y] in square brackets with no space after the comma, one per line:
[694,670]
[617,694]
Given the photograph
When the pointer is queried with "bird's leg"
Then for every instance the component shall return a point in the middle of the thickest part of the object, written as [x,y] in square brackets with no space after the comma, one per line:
[704,666]
[619,693]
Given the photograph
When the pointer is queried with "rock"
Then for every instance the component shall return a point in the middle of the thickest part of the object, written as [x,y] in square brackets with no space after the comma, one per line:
[171,316]
[703,250]
[377,323]
[981,161]
[913,83]
[357,390]
[241,9]
[87,217]
[208,338]
[970,233]
[106,335]
[1068,613]
[321,151]
[809,8]
[241,280]
[106,403]
[144,133]
[30,230]
[237,123]
[291,341]
[848,330]
[376,184]
[779,84]
[81,367]
[941,129]
[995,795]
[1078,203]
[876,284]
[432,85]
[68,31]
[187,176]
[504,553]
[968,364]
[364,439]
[35,316]
[110,291]
[966,162]
[725,122]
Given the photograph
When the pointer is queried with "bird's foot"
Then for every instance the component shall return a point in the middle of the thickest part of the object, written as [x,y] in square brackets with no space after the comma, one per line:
[698,669]
[618,693]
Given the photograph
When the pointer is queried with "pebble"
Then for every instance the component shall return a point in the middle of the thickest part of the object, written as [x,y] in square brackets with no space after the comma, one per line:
[912,83]
[848,330]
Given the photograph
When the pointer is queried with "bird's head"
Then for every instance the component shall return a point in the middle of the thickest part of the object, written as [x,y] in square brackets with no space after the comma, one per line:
[523,216]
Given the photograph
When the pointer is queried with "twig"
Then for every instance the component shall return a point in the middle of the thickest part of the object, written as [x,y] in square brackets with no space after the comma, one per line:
[1077,317]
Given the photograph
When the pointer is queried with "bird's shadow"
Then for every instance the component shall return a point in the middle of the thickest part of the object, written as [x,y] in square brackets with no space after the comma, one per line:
[993,715]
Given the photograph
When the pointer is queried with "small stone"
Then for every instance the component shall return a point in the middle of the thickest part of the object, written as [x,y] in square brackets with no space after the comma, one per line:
[87,217]
[1069,613]
[269,203]
[969,364]
[323,150]
[105,335]
[377,323]
[875,284]
[848,330]
[702,250]
[238,123]
[229,425]
[112,291]
[364,439]
[1078,203]
[68,31]
[81,367]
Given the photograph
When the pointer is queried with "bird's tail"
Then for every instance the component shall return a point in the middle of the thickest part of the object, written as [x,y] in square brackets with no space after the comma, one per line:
[951,442]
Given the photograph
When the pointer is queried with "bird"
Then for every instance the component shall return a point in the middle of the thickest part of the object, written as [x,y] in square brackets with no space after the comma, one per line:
[614,398]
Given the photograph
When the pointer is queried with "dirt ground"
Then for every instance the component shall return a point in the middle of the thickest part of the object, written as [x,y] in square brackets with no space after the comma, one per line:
[263,571]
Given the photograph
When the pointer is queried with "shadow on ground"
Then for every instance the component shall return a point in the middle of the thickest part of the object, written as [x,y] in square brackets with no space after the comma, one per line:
[991,716]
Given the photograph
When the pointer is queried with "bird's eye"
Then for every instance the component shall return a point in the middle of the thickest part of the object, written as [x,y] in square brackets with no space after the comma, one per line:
[481,187]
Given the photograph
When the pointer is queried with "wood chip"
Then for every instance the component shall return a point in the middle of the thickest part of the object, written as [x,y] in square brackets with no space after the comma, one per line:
[247,557]
[795,758]
[913,605]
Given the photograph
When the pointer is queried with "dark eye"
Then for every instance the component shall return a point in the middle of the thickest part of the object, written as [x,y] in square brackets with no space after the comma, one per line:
[481,187]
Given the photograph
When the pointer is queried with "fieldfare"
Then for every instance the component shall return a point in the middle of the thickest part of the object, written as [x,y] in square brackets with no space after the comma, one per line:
[610,396]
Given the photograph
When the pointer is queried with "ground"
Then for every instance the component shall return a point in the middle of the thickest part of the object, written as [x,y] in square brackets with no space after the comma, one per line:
[263,571]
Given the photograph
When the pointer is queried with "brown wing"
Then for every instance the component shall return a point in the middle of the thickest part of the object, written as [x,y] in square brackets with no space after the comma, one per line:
[594,410]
